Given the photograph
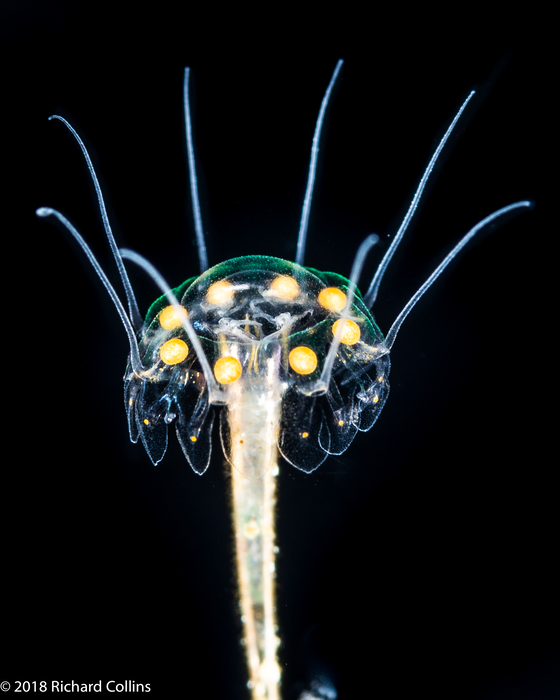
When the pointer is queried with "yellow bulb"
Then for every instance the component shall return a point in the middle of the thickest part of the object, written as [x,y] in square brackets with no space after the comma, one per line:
[174,351]
[303,360]
[349,334]
[220,293]
[284,287]
[170,318]
[332,298]
[227,369]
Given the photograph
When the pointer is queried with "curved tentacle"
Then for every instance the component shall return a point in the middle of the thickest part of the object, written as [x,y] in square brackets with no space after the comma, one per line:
[134,352]
[322,384]
[392,334]
[187,325]
[302,235]
[371,294]
[200,242]
[135,316]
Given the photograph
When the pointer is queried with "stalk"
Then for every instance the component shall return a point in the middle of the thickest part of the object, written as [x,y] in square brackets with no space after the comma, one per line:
[254,425]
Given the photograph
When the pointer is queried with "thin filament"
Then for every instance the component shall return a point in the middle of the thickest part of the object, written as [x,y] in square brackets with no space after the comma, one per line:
[302,235]
[214,391]
[131,299]
[135,360]
[392,334]
[200,242]
[363,250]
[371,293]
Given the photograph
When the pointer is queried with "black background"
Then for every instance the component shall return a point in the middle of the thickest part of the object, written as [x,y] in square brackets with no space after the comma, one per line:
[423,559]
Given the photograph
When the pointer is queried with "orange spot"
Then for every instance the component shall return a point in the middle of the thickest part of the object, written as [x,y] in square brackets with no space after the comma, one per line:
[284,287]
[332,298]
[174,351]
[170,318]
[303,360]
[348,330]
[227,369]
[220,293]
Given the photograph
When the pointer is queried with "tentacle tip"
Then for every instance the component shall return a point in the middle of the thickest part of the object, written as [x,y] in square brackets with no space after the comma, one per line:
[43,211]
[318,388]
